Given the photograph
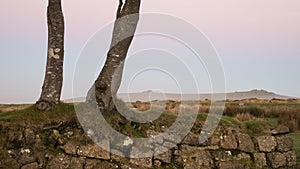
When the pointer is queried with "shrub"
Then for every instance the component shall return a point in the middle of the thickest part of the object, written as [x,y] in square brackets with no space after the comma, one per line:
[244,117]
[204,109]
[290,118]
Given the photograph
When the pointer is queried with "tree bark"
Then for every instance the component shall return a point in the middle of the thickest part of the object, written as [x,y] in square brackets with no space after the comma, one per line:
[52,86]
[103,90]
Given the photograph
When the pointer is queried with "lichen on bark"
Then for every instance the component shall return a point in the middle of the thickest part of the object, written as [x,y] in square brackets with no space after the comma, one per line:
[51,90]
[105,88]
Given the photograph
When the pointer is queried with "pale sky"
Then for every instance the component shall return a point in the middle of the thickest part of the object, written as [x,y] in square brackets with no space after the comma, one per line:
[258,41]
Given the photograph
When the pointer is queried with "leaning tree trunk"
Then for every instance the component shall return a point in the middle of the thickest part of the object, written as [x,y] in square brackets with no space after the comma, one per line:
[103,90]
[51,90]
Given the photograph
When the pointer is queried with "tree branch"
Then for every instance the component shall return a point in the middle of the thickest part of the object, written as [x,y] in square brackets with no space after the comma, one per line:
[120,8]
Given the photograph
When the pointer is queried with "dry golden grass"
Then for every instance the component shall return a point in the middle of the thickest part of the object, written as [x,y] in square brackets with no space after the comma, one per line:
[11,107]
[287,112]
[290,118]
[244,117]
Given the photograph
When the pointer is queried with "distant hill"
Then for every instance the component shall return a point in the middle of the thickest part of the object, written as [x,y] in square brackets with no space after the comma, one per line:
[258,94]
[152,95]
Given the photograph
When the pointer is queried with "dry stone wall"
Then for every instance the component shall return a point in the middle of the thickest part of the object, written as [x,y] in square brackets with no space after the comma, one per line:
[65,145]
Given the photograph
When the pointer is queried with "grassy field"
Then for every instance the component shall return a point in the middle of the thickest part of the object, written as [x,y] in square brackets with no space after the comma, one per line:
[21,114]
[296,137]
[12,107]
[252,115]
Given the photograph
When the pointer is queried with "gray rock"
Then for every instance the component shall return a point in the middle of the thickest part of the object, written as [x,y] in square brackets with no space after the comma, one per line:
[260,160]
[186,149]
[137,152]
[61,161]
[169,145]
[276,159]
[163,154]
[34,165]
[284,143]
[143,162]
[77,162]
[266,143]
[25,156]
[116,155]
[69,148]
[291,158]
[140,150]
[228,140]
[92,164]
[172,137]
[200,159]
[97,164]
[215,140]
[56,133]
[245,143]
[194,157]
[29,136]
[94,151]
[191,139]
[223,155]
[126,166]
[157,163]
[152,133]
[158,139]
[233,165]
[242,156]
[211,147]
[176,155]
[280,129]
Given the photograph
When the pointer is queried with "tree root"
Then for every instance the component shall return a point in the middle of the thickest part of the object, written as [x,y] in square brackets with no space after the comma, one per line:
[45,105]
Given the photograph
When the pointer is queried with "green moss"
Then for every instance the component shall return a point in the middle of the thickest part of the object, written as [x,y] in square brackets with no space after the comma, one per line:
[254,128]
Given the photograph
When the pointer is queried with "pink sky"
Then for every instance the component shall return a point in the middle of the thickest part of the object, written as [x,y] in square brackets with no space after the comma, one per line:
[242,31]
[247,18]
